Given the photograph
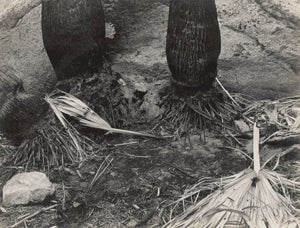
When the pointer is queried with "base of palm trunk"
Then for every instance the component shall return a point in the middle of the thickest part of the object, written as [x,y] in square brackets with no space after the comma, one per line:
[183,90]
[19,110]
[51,146]
[210,110]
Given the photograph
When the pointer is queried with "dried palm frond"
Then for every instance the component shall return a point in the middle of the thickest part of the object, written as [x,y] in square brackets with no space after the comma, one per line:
[280,119]
[243,200]
[51,144]
[68,104]
[255,198]
[54,144]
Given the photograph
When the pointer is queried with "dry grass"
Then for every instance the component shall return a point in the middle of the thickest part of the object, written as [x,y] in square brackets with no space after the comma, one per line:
[53,146]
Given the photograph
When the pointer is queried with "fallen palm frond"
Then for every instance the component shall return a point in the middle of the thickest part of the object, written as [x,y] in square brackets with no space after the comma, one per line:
[52,144]
[255,198]
[244,200]
[73,107]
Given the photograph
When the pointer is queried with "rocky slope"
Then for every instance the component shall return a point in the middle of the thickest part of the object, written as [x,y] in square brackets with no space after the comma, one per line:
[22,46]
[260,45]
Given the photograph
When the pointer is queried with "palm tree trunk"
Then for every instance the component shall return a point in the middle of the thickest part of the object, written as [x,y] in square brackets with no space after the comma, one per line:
[73,35]
[193,45]
[19,111]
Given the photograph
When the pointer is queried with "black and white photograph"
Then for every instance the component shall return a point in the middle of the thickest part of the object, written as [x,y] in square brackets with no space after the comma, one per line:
[150,113]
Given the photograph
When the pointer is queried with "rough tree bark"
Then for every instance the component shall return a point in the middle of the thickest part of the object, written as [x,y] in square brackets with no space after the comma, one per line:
[19,111]
[10,84]
[193,44]
[73,35]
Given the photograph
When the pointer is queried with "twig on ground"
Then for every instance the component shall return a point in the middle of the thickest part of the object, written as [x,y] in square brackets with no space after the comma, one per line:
[125,144]
[100,171]
[23,216]
[134,156]
[227,93]
[34,214]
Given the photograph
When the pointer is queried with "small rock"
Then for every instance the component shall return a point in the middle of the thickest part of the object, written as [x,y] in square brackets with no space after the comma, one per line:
[110,31]
[132,223]
[141,87]
[241,125]
[151,104]
[24,188]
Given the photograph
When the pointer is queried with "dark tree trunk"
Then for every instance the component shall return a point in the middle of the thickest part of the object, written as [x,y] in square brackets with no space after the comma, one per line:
[73,35]
[10,84]
[19,111]
[193,44]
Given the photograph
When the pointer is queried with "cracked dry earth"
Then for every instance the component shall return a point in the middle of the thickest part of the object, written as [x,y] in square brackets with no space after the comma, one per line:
[260,58]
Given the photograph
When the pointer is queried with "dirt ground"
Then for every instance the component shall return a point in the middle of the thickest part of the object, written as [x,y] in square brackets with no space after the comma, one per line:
[260,57]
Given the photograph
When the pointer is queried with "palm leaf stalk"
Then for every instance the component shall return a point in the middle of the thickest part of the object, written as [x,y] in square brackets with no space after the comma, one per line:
[255,198]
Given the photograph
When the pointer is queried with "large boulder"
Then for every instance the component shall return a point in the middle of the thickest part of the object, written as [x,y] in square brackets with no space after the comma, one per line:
[259,79]
[260,47]
[22,46]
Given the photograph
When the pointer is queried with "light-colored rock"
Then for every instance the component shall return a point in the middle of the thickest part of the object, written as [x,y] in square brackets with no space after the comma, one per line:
[152,103]
[24,188]
[22,46]
[11,11]
[110,30]
[241,125]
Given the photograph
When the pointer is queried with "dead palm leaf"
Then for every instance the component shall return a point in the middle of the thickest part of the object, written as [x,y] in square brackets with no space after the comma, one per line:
[70,105]
[255,198]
